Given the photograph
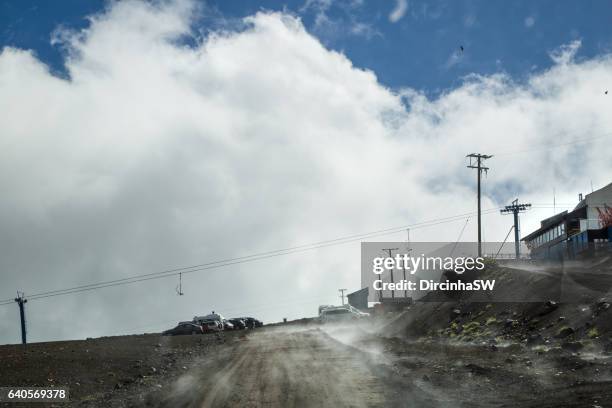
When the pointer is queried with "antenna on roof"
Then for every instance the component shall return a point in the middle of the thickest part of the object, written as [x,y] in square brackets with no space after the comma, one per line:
[179,288]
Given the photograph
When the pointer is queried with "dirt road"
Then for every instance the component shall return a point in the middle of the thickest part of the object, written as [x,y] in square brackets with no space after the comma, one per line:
[348,367]
[282,369]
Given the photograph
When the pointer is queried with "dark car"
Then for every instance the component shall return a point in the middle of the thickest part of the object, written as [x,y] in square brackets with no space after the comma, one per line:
[251,322]
[184,328]
[238,324]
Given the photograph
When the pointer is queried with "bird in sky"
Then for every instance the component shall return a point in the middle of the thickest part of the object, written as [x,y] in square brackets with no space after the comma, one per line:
[461,48]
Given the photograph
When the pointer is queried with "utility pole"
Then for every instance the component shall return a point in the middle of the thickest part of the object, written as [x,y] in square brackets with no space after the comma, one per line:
[515,209]
[342,295]
[179,288]
[408,250]
[476,160]
[392,281]
[21,301]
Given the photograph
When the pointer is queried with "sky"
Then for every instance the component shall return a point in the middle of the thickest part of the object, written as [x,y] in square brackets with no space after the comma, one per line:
[139,137]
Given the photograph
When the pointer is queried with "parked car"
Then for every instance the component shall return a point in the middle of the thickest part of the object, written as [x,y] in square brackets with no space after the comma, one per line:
[211,316]
[323,307]
[184,328]
[239,324]
[211,326]
[340,313]
[249,322]
[227,325]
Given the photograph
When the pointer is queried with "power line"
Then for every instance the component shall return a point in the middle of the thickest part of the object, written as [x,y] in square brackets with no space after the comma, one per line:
[242,259]
[549,146]
[460,234]
[170,273]
[503,243]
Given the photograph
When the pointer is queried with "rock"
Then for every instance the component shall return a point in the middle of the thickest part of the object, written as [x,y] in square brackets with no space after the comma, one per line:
[533,325]
[535,339]
[476,369]
[549,307]
[510,323]
[153,370]
[564,332]
[601,306]
[572,346]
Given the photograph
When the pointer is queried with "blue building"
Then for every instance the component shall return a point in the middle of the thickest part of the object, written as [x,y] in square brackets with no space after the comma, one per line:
[567,234]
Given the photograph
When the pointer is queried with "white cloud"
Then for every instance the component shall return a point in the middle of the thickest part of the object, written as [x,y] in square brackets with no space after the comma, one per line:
[469,20]
[529,21]
[566,53]
[453,59]
[401,7]
[343,24]
[156,155]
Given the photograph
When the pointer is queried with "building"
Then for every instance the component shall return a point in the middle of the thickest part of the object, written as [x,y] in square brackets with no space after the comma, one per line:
[359,299]
[566,234]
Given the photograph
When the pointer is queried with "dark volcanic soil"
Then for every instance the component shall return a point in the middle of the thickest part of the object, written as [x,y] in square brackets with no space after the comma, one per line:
[296,366]
[97,370]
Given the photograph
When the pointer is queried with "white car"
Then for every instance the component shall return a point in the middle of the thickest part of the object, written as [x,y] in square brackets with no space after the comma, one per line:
[340,314]
[210,323]
[211,326]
